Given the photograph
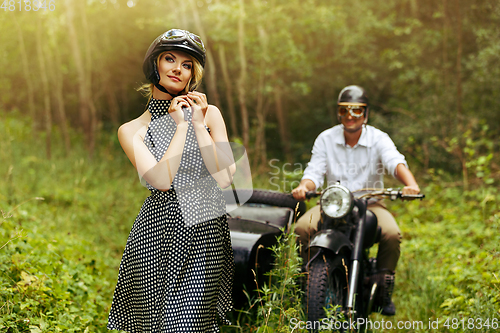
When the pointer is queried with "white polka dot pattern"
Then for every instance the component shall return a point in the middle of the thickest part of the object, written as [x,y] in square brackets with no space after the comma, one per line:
[175,276]
[199,196]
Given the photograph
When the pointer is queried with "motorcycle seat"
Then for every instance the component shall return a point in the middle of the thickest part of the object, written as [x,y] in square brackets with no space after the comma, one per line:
[276,216]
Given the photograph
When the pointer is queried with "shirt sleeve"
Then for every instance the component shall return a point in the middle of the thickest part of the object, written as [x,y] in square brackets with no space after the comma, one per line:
[316,168]
[389,154]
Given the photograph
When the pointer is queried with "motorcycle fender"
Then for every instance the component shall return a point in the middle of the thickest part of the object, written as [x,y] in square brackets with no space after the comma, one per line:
[331,240]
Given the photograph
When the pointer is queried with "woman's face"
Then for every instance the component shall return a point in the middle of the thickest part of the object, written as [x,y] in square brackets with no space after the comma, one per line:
[175,68]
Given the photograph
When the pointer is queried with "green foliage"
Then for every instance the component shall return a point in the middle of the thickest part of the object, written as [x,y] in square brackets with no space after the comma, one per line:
[280,300]
[62,232]
[49,284]
[475,149]
[449,266]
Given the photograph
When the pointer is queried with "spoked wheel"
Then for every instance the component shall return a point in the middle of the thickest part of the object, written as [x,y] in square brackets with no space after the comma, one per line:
[327,286]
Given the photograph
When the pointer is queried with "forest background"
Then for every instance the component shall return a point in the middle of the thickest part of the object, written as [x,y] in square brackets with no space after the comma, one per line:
[69,71]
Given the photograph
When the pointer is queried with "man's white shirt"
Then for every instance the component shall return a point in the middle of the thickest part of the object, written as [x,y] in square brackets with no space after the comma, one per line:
[358,167]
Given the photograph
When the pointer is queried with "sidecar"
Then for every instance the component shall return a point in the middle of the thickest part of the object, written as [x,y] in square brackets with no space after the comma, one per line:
[254,227]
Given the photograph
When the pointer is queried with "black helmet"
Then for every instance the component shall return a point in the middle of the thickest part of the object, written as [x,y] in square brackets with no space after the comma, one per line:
[354,94]
[174,39]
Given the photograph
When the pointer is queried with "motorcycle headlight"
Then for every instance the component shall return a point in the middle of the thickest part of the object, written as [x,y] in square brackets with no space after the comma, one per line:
[336,201]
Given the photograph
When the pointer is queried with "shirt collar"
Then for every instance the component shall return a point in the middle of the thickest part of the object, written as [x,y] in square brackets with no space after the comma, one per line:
[363,139]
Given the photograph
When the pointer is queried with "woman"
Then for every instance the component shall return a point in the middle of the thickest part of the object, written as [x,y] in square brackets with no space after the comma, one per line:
[177,267]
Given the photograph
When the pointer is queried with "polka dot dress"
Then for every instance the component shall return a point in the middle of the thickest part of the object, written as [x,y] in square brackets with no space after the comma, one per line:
[177,268]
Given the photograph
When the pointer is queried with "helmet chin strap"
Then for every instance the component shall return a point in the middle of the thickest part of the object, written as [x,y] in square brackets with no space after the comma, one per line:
[162,89]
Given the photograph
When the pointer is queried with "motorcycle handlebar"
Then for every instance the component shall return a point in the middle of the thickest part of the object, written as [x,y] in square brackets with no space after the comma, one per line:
[398,194]
[392,194]
[413,196]
[312,194]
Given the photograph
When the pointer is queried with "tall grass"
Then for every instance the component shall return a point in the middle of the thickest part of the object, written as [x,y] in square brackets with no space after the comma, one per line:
[449,264]
[60,254]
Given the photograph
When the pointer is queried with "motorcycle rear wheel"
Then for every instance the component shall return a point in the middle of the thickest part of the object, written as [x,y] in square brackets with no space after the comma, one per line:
[327,285]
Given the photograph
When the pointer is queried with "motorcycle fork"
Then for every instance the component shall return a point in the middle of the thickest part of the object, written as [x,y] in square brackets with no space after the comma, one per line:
[357,255]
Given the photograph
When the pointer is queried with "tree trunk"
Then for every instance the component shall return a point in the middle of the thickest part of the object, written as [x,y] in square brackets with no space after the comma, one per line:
[459,95]
[111,90]
[54,65]
[260,155]
[88,80]
[80,71]
[45,88]
[459,63]
[213,94]
[282,124]
[243,75]
[27,76]
[414,8]
[229,90]
[425,149]
[114,109]
[85,108]
[446,27]
[181,16]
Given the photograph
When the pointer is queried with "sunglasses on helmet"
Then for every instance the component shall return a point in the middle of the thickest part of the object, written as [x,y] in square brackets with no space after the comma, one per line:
[356,111]
[178,34]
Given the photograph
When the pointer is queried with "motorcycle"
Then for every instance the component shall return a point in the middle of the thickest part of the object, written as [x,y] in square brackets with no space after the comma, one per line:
[340,269]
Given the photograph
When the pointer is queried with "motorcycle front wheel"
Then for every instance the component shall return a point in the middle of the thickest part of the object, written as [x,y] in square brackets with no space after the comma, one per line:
[327,285]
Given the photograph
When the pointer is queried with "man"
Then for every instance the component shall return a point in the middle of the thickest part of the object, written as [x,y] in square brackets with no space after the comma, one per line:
[357,155]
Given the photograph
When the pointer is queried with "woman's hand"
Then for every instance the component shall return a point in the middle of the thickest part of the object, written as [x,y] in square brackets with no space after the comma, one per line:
[176,111]
[199,104]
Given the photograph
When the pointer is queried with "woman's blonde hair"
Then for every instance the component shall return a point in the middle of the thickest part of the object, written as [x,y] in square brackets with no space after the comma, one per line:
[193,83]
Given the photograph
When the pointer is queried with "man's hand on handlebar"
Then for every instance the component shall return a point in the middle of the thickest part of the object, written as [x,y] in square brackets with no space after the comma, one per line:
[411,189]
[306,185]
[299,193]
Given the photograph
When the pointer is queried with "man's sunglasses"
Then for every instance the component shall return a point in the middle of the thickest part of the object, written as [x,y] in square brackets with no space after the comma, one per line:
[355,111]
